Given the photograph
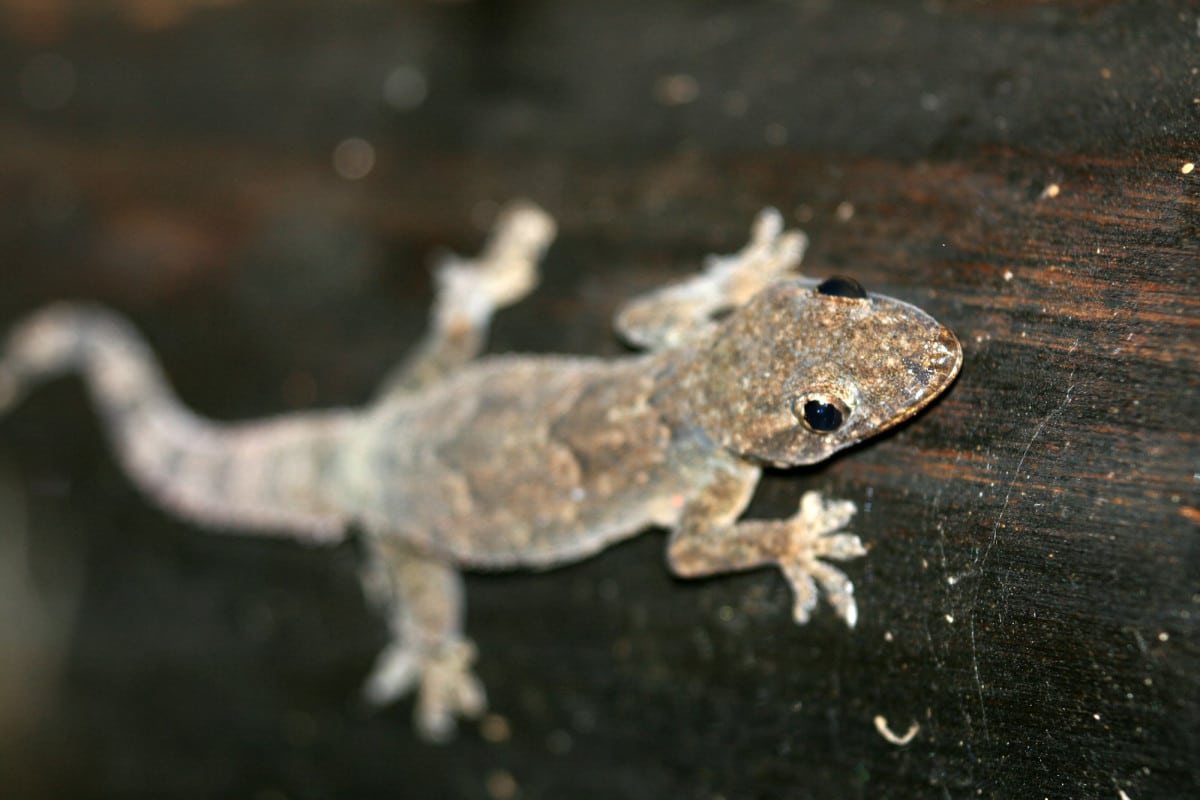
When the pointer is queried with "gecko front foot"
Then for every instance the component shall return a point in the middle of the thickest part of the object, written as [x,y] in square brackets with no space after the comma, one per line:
[669,316]
[816,535]
[771,253]
[471,289]
[446,686]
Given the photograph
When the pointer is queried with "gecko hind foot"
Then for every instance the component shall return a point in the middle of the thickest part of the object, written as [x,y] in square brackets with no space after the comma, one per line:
[817,534]
[446,686]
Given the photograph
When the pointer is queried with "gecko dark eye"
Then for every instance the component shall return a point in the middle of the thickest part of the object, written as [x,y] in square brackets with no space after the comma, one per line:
[821,413]
[841,286]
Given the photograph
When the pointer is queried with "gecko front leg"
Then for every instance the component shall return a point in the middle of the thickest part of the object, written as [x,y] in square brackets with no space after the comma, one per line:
[709,541]
[423,600]
[684,311]
[471,290]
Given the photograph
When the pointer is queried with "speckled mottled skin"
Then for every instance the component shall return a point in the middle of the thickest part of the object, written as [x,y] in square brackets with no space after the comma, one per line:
[534,461]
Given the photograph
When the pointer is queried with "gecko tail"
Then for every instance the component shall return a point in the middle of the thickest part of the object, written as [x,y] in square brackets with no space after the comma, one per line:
[269,476]
[44,345]
[66,338]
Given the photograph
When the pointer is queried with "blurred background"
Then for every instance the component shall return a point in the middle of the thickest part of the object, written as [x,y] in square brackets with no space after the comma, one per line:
[262,184]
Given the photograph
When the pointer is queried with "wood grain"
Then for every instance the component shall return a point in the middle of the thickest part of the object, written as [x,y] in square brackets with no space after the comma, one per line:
[1019,171]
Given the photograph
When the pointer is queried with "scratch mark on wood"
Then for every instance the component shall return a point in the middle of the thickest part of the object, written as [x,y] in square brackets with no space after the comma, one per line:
[1016,473]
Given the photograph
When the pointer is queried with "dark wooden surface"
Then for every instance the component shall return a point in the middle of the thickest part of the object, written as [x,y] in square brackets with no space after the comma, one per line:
[1017,169]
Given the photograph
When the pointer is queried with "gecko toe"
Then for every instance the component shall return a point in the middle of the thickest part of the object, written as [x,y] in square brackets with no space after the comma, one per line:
[839,547]
[394,675]
[839,590]
[804,592]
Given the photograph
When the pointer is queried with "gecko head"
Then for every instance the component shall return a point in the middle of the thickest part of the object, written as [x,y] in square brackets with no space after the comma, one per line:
[802,371]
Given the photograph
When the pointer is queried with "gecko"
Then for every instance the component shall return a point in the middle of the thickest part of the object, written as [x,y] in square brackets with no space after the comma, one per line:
[464,462]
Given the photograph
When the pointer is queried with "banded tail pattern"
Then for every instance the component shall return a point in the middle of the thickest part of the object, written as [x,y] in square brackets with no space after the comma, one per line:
[275,475]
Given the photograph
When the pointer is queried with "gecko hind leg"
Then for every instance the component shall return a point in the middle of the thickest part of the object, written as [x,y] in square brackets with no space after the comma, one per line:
[470,290]
[423,601]
[681,311]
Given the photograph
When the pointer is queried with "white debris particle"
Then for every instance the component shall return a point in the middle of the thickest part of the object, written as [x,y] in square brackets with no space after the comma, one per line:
[881,725]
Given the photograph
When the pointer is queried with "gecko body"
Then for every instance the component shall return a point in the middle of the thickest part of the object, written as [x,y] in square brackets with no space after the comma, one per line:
[535,461]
